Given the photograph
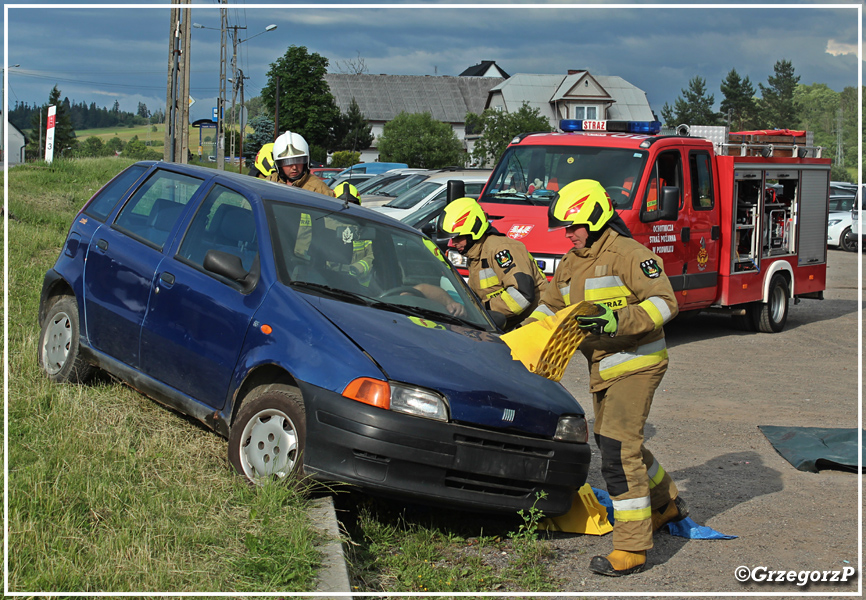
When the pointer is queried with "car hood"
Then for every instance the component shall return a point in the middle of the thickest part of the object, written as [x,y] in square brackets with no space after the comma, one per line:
[473,369]
[396,213]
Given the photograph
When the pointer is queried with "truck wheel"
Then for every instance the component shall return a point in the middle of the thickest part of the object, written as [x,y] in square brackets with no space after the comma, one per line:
[848,241]
[59,344]
[770,317]
[268,437]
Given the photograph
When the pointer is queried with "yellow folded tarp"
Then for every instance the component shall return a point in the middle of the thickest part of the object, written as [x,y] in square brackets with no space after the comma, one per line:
[587,515]
[545,347]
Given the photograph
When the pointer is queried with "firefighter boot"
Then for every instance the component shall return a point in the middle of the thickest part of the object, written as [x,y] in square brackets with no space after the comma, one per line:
[676,510]
[618,563]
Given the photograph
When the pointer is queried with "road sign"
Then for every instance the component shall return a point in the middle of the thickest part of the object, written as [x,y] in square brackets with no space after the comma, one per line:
[191,100]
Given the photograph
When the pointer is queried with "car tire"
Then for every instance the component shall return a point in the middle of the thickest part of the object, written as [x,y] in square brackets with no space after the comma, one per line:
[771,316]
[60,355]
[268,437]
[848,241]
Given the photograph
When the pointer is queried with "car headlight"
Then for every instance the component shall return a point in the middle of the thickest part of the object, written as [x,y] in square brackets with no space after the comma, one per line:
[398,397]
[418,402]
[457,259]
[572,428]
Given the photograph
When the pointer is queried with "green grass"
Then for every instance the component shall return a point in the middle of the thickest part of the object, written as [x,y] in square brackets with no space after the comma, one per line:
[144,132]
[108,491]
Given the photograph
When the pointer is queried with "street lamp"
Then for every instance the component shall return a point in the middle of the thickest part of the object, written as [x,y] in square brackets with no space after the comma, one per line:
[236,81]
[3,108]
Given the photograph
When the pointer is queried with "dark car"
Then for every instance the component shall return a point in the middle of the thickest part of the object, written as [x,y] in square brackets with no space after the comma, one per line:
[238,302]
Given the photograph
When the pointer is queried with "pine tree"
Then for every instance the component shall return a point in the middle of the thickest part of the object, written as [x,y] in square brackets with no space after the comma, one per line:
[64,133]
[777,108]
[358,134]
[693,107]
[739,101]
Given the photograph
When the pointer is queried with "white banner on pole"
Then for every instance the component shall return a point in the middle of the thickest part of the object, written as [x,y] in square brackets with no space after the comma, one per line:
[49,134]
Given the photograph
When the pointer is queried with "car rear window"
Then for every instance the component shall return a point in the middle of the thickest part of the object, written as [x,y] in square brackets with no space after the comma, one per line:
[107,198]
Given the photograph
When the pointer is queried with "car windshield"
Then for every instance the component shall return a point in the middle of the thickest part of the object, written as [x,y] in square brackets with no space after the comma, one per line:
[345,256]
[374,183]
[413,196]
[395,188]
[533,174]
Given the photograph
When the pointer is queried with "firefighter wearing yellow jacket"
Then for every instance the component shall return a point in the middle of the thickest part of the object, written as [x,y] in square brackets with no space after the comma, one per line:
[627,358]
[362,250]
[501,271]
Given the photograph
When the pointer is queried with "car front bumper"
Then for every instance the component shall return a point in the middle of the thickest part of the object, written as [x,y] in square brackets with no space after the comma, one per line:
[438,463]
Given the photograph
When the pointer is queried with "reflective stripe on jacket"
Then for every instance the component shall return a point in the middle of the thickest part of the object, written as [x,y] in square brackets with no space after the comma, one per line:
[623,274]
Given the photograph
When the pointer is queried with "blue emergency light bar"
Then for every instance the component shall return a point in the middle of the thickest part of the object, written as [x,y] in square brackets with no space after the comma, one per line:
[646,127]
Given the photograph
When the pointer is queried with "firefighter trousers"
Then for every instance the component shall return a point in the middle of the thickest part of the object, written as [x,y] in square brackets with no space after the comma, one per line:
[636,482]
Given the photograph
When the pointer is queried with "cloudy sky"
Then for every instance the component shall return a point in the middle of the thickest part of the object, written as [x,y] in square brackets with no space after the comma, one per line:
[106,52]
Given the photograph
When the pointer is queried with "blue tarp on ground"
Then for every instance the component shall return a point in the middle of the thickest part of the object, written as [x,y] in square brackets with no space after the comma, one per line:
[685,528]
[814,448]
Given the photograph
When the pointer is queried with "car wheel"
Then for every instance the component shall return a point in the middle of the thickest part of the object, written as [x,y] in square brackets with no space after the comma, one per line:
[770,317]
[59,344]
[848,241]
[268,437]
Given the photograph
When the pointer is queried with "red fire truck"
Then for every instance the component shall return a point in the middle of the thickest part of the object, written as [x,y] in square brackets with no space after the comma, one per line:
[740,224]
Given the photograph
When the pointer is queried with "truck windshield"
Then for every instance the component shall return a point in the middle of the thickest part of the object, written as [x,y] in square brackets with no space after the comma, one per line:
[532,174]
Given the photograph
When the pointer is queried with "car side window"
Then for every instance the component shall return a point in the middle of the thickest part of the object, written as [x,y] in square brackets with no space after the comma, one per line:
[151,213]
[107,198]
[666,171]
[223,222]
[702,181]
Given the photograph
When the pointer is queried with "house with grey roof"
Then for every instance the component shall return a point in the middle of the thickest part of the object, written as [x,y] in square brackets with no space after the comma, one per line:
[486,68]
[577,95]
[383,97]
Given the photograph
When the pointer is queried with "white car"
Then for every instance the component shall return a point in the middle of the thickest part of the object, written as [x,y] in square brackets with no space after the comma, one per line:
[432,189]
[839,231]
[857,232]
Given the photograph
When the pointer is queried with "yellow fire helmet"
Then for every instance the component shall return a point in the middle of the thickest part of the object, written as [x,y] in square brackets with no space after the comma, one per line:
[265,160]
[348,192]
[581,202]
[463,216]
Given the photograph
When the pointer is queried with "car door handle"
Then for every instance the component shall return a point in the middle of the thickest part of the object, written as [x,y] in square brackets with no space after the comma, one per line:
[166,278]
[715,232]
[686,234]
[102,244]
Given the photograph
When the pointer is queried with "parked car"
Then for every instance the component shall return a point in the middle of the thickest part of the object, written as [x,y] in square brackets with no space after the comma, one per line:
[325,173]
[372,185]
[354,179]
[857,230]
[434,188]
[232,300]
[388,192]
[373,167]
[839,233]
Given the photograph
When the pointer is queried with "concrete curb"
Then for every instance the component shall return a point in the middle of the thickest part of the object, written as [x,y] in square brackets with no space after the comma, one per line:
[334,576]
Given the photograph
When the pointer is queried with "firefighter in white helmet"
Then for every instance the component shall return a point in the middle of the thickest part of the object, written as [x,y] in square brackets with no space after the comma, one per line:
[627,357]
[502,273]
[292,161]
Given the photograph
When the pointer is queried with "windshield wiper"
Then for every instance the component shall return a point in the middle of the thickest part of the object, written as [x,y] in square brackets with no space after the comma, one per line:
[516,195]
[335,292]
[427,313]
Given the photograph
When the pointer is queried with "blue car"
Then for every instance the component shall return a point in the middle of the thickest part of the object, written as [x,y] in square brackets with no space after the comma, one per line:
[322,339]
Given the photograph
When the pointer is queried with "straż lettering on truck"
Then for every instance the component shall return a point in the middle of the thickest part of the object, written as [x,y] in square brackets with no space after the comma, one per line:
[739,220]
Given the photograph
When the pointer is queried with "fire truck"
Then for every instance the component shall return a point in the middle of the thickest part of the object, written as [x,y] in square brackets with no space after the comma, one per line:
[740,222]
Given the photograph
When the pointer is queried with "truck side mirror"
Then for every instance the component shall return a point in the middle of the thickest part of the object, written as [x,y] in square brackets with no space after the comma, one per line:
[667,209]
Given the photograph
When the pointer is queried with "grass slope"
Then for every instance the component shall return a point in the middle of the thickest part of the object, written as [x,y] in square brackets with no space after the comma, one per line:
[108,491]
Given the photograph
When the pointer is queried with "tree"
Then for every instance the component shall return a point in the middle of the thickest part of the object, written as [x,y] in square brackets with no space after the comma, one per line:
[818,107]
[345,158]
[498,128]
[419,140]
[142,110]
[739,102]
[64,134]
[114,145]
[355,66]
[92,147]
[777,107]
[693,107]
[307,106]
[357,134]
[263,133]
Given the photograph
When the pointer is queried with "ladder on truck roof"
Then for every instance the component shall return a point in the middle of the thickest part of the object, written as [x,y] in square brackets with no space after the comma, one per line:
[768,145]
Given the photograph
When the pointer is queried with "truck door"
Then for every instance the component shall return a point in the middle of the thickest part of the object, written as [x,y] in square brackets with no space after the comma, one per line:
[701,238]
[665,237]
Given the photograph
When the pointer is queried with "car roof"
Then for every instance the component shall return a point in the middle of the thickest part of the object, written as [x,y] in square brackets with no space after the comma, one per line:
[465,174]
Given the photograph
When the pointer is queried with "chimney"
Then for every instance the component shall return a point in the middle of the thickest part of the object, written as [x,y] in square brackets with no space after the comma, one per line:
[575,71]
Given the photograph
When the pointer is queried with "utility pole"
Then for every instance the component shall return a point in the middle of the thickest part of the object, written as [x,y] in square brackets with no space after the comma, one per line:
[176,144]
[243,125]
[220,134]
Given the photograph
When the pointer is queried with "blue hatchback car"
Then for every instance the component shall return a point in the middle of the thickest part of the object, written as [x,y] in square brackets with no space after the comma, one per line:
[322,339]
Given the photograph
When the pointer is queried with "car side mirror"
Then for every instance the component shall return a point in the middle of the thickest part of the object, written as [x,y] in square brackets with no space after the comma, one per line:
[667,209]
[429,229]
[225,264]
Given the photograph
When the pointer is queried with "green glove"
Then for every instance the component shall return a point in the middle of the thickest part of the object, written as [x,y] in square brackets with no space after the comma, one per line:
[603,321]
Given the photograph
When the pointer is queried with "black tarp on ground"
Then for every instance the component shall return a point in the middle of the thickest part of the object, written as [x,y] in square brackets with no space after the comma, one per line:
[814,448]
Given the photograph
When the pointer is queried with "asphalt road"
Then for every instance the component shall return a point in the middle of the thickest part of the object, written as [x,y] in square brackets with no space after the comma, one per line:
[721,385]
